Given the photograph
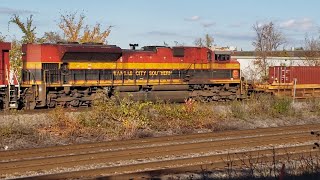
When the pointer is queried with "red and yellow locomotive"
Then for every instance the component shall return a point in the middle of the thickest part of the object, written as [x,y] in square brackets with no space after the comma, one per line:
[70,74]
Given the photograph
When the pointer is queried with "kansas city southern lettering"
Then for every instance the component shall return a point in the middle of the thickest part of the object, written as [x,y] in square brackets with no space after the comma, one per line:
[142,73]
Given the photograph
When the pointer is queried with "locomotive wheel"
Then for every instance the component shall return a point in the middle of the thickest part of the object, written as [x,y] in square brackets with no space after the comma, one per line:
[75,103]
[52,104]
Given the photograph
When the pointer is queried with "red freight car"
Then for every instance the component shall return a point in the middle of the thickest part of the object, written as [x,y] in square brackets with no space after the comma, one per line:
[302,74]
[4,63]
[293,81]
[8,90]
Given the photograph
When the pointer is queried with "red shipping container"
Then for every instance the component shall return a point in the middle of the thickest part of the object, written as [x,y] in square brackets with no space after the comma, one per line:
[287,74]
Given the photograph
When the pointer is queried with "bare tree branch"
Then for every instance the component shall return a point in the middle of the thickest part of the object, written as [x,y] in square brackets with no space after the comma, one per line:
[2,38]
[312,51]
[51,37]
[268,39]
[207,41]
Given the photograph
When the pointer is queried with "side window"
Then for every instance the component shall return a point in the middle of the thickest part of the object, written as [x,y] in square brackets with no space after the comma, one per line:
[178,52]
[222,57]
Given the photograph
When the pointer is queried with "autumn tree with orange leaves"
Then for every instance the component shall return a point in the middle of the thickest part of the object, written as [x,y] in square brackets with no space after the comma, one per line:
[75,31]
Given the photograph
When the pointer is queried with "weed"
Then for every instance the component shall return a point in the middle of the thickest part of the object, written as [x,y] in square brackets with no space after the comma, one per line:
[238,110]
[314,105]
[282,106]
[63,124]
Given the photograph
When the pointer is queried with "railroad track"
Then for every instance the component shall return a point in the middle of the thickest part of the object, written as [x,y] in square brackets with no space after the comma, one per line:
[155,156]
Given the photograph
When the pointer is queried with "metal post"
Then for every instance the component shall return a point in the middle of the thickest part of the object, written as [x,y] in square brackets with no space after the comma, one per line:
[294,88]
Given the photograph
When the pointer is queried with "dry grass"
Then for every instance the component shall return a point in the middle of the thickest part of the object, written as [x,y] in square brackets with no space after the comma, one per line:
[119,118]
[287,167]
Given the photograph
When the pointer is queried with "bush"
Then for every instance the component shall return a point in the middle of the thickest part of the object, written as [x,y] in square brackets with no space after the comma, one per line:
[15,129]
[117,116]
[260,105]
[282,106]
[314,105]
[63,124]
[238,110]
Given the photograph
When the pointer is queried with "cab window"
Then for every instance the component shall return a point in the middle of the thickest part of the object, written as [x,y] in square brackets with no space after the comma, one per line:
[222,57]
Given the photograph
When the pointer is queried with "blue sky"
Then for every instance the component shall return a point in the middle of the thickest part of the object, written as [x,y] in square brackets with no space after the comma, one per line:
[150,22]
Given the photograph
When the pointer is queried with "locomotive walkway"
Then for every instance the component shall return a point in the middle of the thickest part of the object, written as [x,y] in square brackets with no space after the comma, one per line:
[153,157]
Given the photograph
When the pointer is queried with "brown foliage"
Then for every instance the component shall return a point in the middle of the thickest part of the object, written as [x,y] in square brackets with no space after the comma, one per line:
[71,26]
[95,35]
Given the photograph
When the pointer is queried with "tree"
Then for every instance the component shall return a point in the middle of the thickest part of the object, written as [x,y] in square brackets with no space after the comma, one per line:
[95,35]
[27,29]
[2,38]
[177,43]
[71,25]
[267,39]
[16,57]
[312,51]
[207,41]
[51,37]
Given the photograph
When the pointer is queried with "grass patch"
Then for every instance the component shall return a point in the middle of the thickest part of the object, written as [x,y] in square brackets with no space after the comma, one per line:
[122,118]
[314,105]
[239,110]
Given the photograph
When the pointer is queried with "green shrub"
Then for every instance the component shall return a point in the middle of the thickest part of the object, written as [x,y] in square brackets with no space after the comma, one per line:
[117,116]
[282,106]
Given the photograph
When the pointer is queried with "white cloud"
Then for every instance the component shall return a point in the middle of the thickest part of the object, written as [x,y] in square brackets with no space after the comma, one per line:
[298,24]
[193,18]
[5,10]
[208,24]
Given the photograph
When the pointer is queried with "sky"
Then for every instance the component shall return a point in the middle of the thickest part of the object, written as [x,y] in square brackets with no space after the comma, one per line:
[150,22]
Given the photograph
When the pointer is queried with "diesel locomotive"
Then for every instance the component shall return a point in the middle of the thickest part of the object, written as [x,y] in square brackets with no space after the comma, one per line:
[71,74]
